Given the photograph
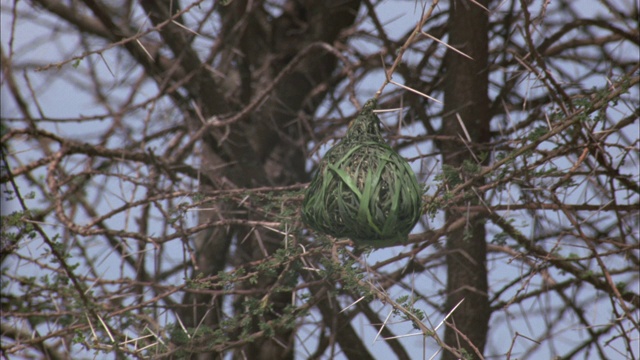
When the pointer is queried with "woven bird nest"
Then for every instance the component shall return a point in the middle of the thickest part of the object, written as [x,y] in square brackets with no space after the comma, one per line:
[363,190]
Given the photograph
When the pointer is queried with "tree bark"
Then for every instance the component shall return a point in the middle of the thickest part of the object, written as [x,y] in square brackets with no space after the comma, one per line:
[466,97]
[258,151]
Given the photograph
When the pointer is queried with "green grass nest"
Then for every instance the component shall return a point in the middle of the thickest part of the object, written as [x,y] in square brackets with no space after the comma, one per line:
[363,189]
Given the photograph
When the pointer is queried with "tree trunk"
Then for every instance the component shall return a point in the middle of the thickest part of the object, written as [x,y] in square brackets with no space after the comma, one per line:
[258,151]
[466,97]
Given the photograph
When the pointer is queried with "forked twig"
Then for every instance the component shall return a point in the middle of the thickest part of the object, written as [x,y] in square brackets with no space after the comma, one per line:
[405,46]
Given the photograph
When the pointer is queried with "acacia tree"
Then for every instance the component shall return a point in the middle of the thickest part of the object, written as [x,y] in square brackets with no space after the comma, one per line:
[154,153]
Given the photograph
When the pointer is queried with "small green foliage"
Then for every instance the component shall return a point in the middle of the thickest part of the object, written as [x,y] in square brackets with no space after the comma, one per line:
[196,197]
[193,283]
[4,129]
[13,219]
[349,273]
[549,171]
[450,176]
[470,167]
[572,256]
[432,207]
[253,279]
[9,195]
[537,133]
[289,317]
[407,303]
[267,328]
[556,116]
[13,229]
[202,333]
[282,255]
[466,355]
[567,183]
[272,266]
[587,274]
[500,238]
[78,337]
[269,268]
[583,102]
[228,279]
[351,281]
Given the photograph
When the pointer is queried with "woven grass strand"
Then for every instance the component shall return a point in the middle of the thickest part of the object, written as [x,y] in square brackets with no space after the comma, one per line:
[363,189]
